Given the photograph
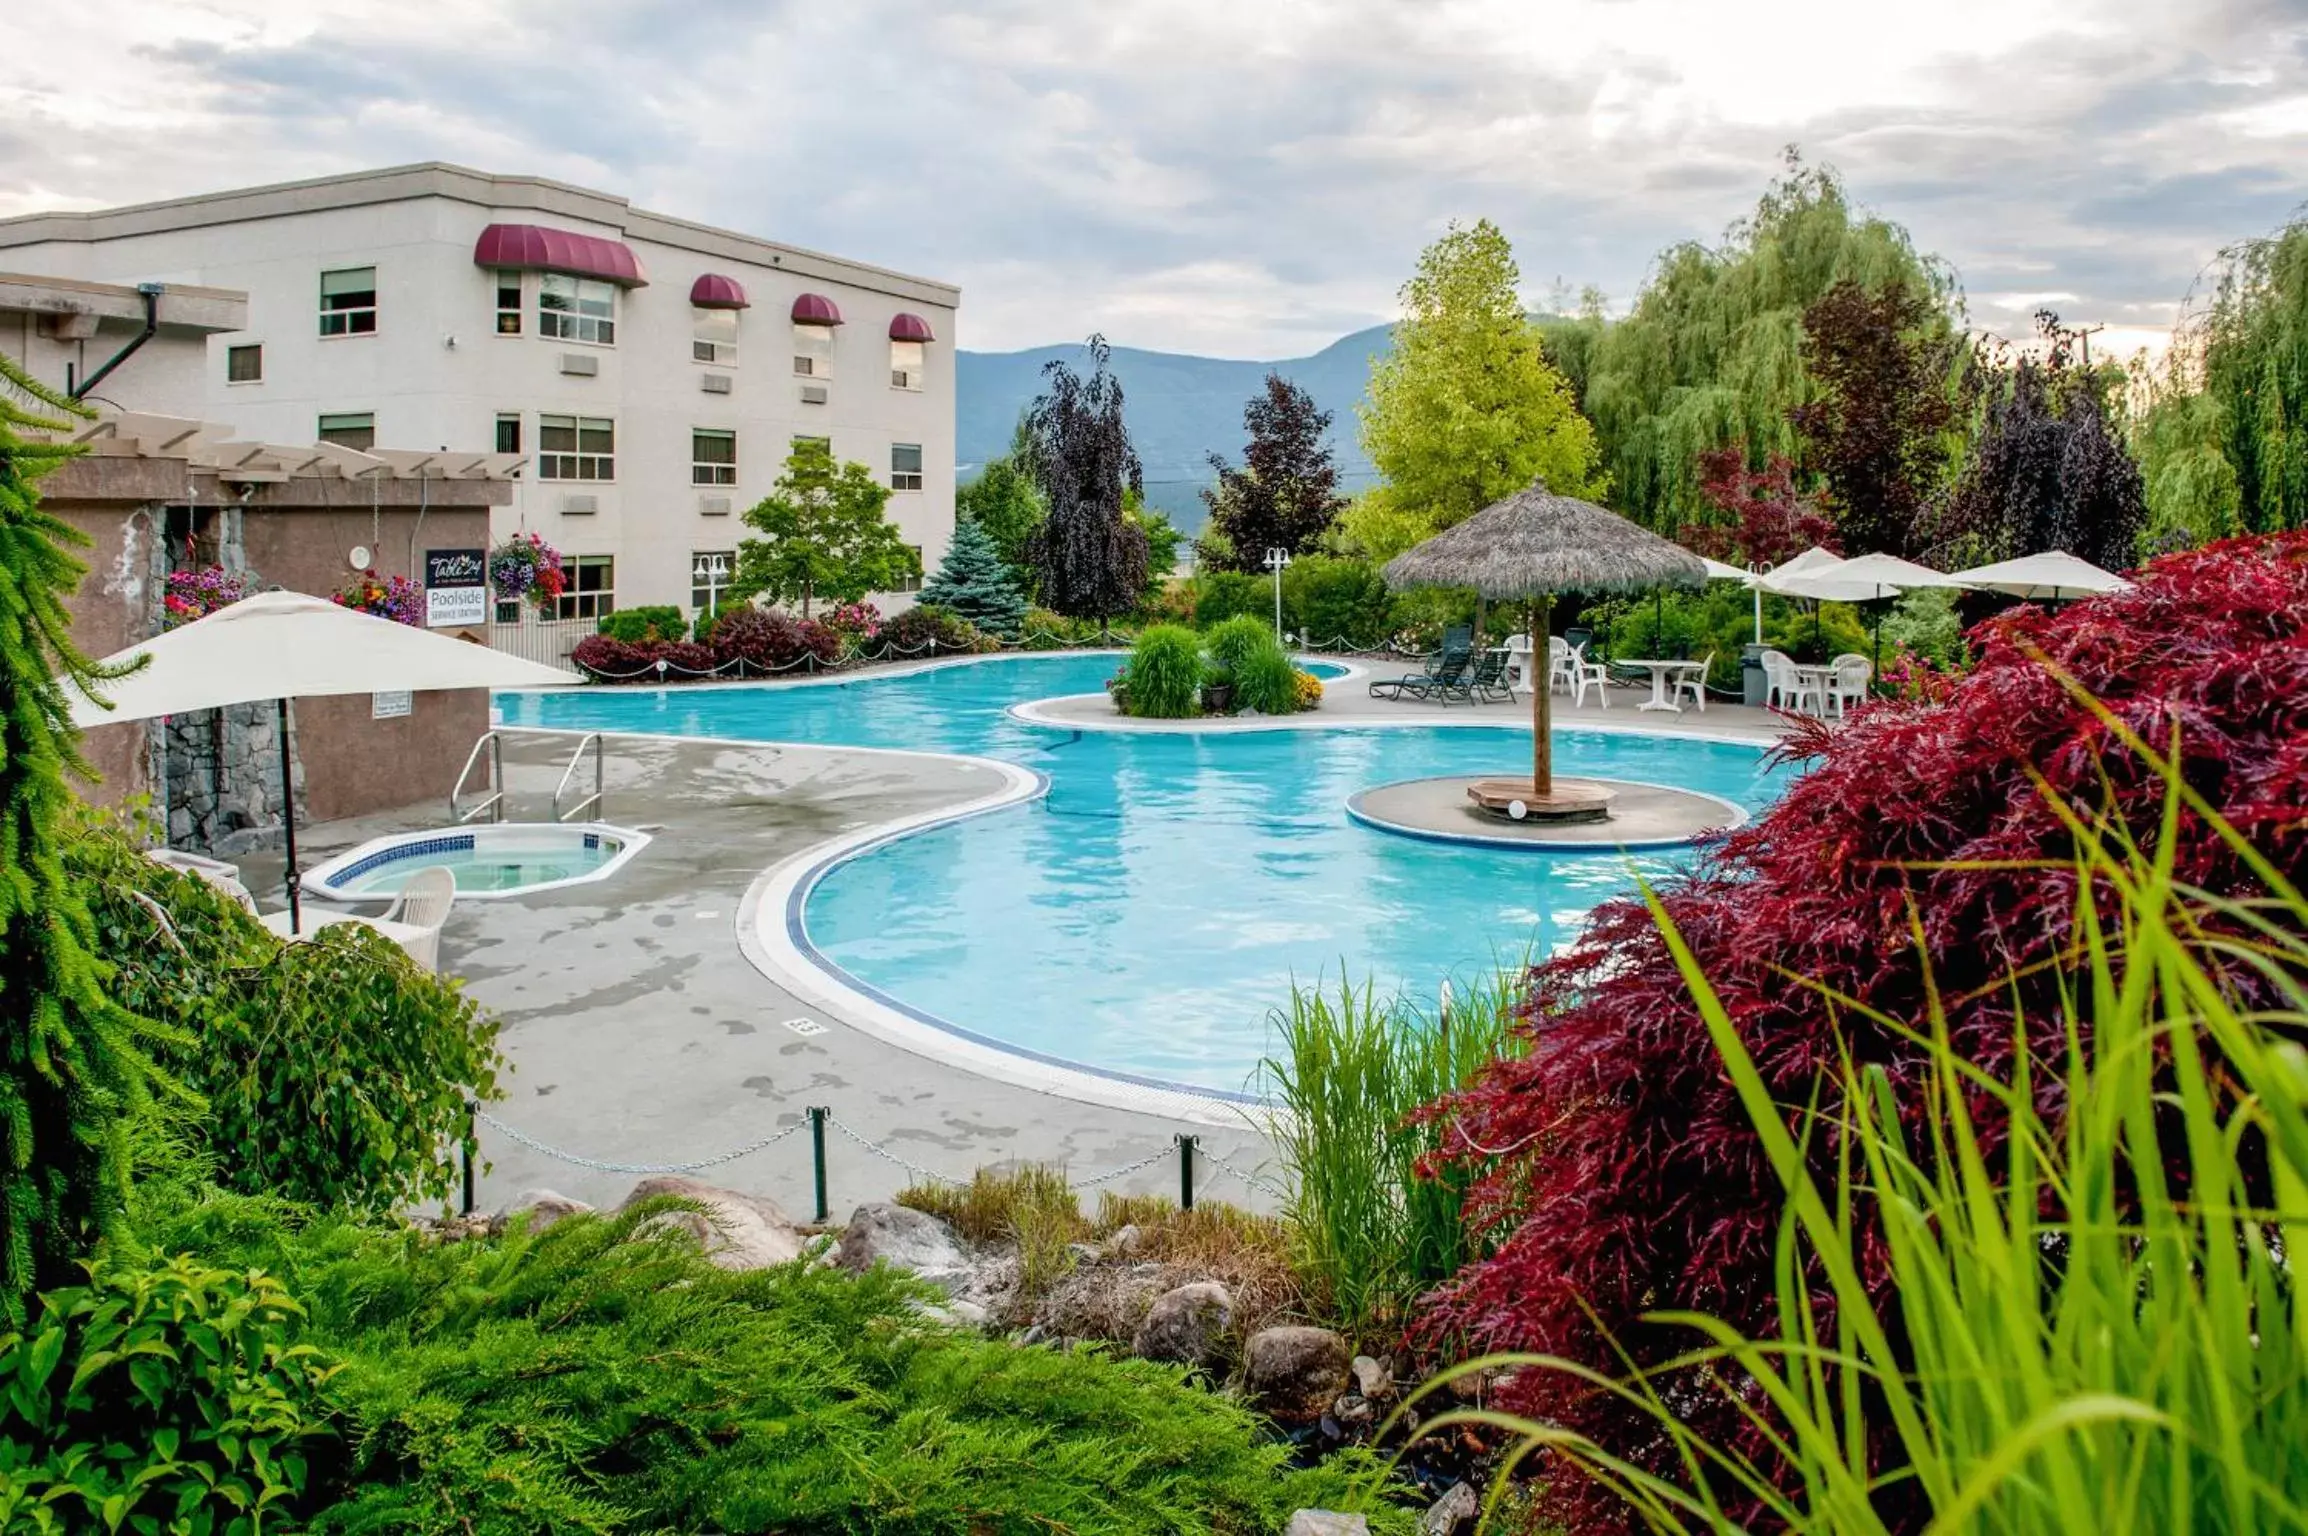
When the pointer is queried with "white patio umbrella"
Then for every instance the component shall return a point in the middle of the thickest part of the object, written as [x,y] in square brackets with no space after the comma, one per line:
[283,646]
[2053,576]
[1865,579]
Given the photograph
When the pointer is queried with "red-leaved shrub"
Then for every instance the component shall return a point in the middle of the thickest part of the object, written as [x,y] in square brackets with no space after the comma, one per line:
[635,661]
[768,642]
[1634,1182]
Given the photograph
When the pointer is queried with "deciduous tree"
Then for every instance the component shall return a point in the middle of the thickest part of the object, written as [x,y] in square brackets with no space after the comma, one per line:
[823,534]
[1004,501]
[1089,558]
[1756,516]
[1466,408]
[1286,491]
[1887,369]
[73,1067]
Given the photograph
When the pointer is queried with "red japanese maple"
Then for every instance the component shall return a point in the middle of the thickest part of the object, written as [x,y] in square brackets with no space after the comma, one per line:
[1638,1184]
[1759,516]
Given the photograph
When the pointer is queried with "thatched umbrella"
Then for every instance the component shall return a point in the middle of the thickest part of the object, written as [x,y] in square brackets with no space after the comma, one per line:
[1527,548]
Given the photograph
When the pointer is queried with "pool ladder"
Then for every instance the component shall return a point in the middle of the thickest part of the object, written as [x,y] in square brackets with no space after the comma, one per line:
[591,802]
[493,806]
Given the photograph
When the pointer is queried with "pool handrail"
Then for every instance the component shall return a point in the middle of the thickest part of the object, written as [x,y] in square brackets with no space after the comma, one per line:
[591,802]
[494,806]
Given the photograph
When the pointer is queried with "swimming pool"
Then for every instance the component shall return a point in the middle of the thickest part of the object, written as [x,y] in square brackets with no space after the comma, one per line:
[1144,915]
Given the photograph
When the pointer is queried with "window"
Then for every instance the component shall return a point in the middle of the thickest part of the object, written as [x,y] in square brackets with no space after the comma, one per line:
[712,457]
[349,302]
[508,431]
[576,448]
[813,351]
[350,429]
[508,303]
[906,365]
[905,466]
[244,365]
[710,573]
[591,589]
[577,309]
[912,582]
[715,336]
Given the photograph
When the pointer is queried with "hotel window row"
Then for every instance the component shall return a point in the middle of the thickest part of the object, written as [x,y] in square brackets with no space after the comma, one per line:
[571,307]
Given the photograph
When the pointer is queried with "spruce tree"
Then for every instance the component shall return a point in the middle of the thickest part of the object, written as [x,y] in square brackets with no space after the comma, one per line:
[973,582]
[72,1066]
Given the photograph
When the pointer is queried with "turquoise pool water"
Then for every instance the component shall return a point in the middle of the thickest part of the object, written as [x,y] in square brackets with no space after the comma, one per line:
[1147,914]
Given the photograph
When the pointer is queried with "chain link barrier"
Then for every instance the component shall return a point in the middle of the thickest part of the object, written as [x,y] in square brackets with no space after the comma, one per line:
[1184,1146]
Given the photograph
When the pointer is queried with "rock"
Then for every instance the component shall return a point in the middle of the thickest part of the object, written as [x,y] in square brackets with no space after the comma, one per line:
[1374,1379]
[1125,1242]
[1353,1411]
[1295,1373]
[737,1231]
[1188,1324]
[907,1239]
[1454,1512]
[1104,1301]
[543,1207]
[1325,1522]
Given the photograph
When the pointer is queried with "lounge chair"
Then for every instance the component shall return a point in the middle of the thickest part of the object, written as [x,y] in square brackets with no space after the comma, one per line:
[1444,668]
[1485,683]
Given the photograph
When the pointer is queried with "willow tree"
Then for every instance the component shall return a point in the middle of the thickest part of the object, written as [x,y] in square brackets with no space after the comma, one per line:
[2226,443]
[72,1065]
[1465,409]
[1089,558]
[1712,352]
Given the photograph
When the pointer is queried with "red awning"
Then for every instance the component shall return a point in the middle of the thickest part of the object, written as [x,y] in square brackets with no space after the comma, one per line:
[534,248]
[713,291]
[904,327]
[815,309]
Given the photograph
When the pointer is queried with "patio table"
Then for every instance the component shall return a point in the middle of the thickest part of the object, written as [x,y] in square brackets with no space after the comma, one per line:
[1662,672]
[1816,679]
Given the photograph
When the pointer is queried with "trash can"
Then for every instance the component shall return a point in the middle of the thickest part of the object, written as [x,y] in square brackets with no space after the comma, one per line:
[1753,688]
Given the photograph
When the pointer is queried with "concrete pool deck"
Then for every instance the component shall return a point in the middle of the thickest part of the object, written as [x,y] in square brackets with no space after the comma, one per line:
[642,1032]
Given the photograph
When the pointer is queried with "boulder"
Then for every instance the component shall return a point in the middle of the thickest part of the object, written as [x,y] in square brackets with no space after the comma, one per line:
[907,1239]
[1104,1301]
[1189,1325]
[1454,1512]
[738,1231]
[1374,1379]
[543,1207]
[1125,1242]
[1295,1373]
[1326,1522]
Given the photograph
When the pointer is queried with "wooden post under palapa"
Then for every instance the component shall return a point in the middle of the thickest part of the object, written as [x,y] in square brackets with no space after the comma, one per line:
[1542,745]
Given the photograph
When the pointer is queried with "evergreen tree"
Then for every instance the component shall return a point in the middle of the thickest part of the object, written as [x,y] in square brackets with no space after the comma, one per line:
[823,535]
[1286,491]
[1089,558]
[1711,354]
[973,583]
[1466,408]
[72,1065]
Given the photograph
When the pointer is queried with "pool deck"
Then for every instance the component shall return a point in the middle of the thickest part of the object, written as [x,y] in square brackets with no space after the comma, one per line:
[644,1028]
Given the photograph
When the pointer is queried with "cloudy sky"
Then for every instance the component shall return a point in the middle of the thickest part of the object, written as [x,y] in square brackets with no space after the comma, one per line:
[1249,178]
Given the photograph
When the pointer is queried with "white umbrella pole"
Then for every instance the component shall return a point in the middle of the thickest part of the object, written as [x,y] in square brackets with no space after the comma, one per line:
[288,821]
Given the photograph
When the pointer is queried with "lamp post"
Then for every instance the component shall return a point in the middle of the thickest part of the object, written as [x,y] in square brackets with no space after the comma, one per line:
[712,573]
[1278,561]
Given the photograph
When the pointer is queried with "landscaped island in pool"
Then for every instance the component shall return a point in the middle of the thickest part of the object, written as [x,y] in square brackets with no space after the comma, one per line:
[1145,914]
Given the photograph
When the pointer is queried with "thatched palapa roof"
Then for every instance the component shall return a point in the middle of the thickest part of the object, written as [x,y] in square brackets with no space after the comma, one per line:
[1536,543]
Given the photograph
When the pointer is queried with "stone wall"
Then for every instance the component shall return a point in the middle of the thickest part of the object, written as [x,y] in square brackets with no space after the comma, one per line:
[224,779]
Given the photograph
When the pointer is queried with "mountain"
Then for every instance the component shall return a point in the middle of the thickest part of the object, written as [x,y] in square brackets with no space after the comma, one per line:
[1180,408]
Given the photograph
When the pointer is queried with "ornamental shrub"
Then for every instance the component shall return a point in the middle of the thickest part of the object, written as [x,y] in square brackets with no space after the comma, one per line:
[1243,651]
[1164,678]
[762,642]
[1917,865]
[1337,602]
[1309,688]
[615,661]
[603,1377]
[1044,630]
[167,1397]
[927,630]
[1221,595]
[656,621]
[333,1071]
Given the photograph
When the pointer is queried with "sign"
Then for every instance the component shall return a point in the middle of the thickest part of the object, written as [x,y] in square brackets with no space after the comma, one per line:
[392,705]
[456,587]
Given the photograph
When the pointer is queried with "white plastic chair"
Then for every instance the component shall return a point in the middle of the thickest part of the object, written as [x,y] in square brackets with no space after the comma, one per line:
[1562,664]
[225,877]
[1587,674]
[1692,681]
[1787,686]
[415,918]
[1847,683]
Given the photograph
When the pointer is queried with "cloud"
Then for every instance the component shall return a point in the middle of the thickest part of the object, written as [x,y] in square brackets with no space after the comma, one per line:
[1242,179]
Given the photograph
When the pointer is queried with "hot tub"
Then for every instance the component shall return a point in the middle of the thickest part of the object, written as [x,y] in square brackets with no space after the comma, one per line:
[490,861]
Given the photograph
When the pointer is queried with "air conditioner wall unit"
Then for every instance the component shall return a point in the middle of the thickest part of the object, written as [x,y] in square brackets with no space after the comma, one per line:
[580,503]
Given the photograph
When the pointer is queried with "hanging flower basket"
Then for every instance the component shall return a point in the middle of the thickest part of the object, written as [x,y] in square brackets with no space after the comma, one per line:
[526,569]
[396,598]
[197,594]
